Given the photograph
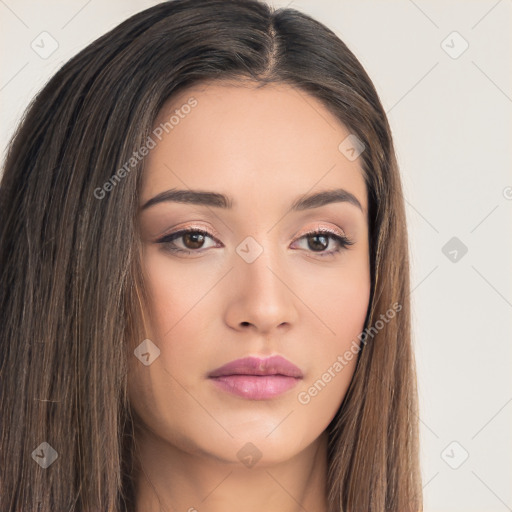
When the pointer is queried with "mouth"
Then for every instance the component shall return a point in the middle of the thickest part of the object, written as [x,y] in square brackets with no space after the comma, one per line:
[256,379]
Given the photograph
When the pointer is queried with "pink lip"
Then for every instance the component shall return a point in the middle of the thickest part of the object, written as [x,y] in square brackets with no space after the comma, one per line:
[257,379]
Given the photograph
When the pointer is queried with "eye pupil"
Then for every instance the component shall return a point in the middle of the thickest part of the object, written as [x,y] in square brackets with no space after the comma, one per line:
[323,245]
[196,244]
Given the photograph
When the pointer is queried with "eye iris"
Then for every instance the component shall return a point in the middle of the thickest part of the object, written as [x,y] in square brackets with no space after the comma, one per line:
[322,246]
[197,240]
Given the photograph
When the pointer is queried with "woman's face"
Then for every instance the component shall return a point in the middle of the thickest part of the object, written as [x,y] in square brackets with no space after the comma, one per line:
[256,284]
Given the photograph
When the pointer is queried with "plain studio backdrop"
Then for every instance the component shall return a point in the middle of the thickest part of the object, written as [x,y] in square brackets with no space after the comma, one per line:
[443,73]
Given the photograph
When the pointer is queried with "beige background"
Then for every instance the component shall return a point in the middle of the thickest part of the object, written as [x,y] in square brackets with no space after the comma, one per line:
[451,119]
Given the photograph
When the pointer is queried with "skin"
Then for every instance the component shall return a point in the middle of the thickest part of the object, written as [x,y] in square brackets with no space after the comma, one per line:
[264,148]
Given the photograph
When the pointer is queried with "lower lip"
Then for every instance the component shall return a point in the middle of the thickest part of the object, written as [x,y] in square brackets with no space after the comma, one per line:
[255,387]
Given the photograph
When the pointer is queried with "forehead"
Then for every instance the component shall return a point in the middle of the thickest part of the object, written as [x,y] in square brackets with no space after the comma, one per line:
[239,137]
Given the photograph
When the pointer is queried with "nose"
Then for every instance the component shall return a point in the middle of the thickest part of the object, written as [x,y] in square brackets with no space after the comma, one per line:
[261,295]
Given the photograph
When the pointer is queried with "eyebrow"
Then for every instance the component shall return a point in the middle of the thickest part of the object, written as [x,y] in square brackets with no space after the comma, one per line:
[217,200]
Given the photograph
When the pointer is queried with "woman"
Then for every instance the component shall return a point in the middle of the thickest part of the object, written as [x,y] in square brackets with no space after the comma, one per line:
[204,276]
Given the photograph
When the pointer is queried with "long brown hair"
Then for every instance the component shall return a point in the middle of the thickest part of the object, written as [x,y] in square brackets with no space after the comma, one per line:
[71,291]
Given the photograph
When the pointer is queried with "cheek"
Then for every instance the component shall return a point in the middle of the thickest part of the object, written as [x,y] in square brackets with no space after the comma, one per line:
[335,356]
[172,292]
[347,307]
[179,302]
[341,304]
[339,297]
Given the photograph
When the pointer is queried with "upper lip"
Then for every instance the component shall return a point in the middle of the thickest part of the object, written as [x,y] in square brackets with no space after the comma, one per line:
[274,365]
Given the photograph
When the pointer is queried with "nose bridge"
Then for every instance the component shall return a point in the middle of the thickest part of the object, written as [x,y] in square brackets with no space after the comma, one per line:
[258,260]
[261,295]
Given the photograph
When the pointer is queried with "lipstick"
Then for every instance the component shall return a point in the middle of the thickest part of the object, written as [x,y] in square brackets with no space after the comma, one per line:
[254,378]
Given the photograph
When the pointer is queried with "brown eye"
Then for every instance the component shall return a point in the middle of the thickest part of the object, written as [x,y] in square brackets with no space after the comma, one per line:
[190,241]
[193,240]
[318,242]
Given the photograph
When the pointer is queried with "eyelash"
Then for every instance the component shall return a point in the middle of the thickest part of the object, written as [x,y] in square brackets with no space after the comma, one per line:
[168,240]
